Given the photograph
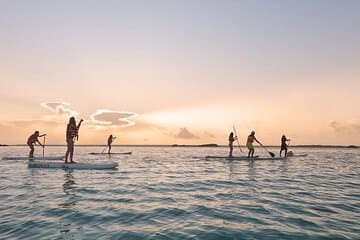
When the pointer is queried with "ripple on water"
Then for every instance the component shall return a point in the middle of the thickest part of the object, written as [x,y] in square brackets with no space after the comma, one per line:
[172,193]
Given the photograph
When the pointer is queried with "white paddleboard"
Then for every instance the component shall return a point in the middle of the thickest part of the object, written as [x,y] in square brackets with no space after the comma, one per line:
[35,158]
[299,155]
[89,166]
[120,153]
[222,157]
[255,157]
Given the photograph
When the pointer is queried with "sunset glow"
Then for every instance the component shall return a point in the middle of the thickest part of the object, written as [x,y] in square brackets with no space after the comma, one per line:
[164,72]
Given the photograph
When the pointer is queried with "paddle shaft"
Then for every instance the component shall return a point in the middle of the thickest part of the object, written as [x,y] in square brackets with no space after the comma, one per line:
[237,138]
[44,147]
[271,154]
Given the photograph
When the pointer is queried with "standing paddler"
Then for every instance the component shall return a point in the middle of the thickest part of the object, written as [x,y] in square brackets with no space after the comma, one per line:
[111,138]
[249,144]
[284,146]
[32,140]
[231,142]
[72,133]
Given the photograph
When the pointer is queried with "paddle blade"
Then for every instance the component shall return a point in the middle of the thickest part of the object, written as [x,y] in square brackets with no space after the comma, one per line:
[272,154]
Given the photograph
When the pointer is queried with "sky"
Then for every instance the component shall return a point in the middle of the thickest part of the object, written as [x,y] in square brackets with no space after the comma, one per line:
[184,72]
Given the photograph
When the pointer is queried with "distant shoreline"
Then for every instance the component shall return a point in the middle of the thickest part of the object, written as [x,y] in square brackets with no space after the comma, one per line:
[185,145]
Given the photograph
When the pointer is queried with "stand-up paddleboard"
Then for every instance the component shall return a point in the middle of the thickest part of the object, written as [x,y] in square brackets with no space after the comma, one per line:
[120,153]
[88,166]
[34,158]
[222,157]
[299,155]
[255,157]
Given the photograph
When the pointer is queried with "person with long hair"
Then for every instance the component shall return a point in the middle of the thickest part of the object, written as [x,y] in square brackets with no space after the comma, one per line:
[72,134]
[231,141]
[111,138]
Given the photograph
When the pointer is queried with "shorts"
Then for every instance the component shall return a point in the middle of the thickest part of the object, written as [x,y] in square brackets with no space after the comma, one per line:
[250,146]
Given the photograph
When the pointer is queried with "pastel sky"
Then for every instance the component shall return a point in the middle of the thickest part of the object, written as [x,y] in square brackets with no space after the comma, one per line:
[186,71]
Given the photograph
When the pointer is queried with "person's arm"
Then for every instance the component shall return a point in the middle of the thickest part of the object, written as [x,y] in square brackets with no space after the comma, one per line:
[37,140]
[42,135]
[79,125]
[257,141]
[77,130]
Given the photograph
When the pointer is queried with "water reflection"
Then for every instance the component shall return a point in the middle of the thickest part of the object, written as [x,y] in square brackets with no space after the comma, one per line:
[284,166]
[251,170]
[237,167]
[68,188]
[67,230]
[69,182]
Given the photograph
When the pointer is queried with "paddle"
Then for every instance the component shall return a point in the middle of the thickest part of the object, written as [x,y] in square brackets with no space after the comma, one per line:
[271,154]
[44,146]
[237,138]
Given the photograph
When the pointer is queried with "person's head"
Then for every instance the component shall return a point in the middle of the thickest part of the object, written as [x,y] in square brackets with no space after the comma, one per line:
[283,136]
[111,136]
[37,133]
[252,133]
[231,135]
[72,121]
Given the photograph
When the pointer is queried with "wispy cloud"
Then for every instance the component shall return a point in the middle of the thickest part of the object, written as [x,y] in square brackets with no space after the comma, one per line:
[106,118]
[61,108]
[100,120]
[184,133]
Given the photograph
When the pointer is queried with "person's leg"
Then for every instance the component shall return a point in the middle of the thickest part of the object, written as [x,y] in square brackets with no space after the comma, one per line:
[231,151]
[109,148]
[71,151]
[31,154]
[252,153]
[67,155]
[67,151]
[285,152]
[280,152]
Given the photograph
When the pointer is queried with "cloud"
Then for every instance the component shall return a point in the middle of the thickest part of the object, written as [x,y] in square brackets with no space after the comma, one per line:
[61,108]
[345,127]
[184,133]
[107,118]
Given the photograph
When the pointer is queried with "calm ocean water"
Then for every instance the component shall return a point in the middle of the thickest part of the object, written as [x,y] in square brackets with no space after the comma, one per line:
[173,193]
